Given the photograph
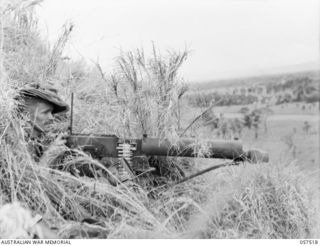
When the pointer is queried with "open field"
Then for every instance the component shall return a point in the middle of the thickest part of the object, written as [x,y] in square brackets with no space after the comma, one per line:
[286,122]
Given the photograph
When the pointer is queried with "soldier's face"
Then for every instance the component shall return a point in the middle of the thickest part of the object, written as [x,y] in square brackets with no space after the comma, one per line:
[41,114]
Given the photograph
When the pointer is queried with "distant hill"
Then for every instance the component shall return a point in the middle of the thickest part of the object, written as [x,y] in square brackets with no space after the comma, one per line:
[300,67]
[248,81]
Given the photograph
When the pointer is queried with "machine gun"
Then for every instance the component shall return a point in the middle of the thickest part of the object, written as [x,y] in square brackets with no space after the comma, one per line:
[111,146]
[101,146]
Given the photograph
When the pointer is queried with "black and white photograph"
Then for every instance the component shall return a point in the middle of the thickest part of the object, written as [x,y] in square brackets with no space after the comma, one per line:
[159,119]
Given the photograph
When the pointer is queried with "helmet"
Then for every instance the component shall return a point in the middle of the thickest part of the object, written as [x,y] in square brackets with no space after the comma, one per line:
[47,94]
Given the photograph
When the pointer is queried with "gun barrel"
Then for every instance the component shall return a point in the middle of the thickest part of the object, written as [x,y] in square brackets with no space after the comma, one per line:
[190,148]
[255,155]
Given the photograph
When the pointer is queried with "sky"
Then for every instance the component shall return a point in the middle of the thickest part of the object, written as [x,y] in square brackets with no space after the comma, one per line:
[226,38]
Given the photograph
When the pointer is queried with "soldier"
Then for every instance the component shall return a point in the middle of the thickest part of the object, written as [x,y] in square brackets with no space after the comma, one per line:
[39,104]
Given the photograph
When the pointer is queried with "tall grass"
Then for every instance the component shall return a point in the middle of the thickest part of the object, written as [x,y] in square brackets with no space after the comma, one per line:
[260,202]
[140,97]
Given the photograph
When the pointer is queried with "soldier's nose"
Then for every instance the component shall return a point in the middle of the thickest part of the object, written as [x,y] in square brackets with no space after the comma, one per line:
[50,117]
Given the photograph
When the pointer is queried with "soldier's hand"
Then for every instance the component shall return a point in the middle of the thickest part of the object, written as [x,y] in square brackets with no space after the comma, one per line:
[56,147]
[60,140]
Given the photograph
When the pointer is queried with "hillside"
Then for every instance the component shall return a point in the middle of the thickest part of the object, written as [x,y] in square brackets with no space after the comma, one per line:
[250,81]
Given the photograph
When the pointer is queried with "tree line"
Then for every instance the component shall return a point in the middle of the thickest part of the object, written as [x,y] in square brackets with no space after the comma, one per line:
[299,89]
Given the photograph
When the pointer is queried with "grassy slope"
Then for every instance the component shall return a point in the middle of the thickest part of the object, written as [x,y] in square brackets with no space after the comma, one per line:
[258,202]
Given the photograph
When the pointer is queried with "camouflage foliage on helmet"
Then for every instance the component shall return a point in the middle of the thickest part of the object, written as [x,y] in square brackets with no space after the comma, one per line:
[48,94]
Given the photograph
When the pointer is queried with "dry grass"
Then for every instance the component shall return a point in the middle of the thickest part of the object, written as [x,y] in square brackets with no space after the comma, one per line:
[260,202]
[141,96]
